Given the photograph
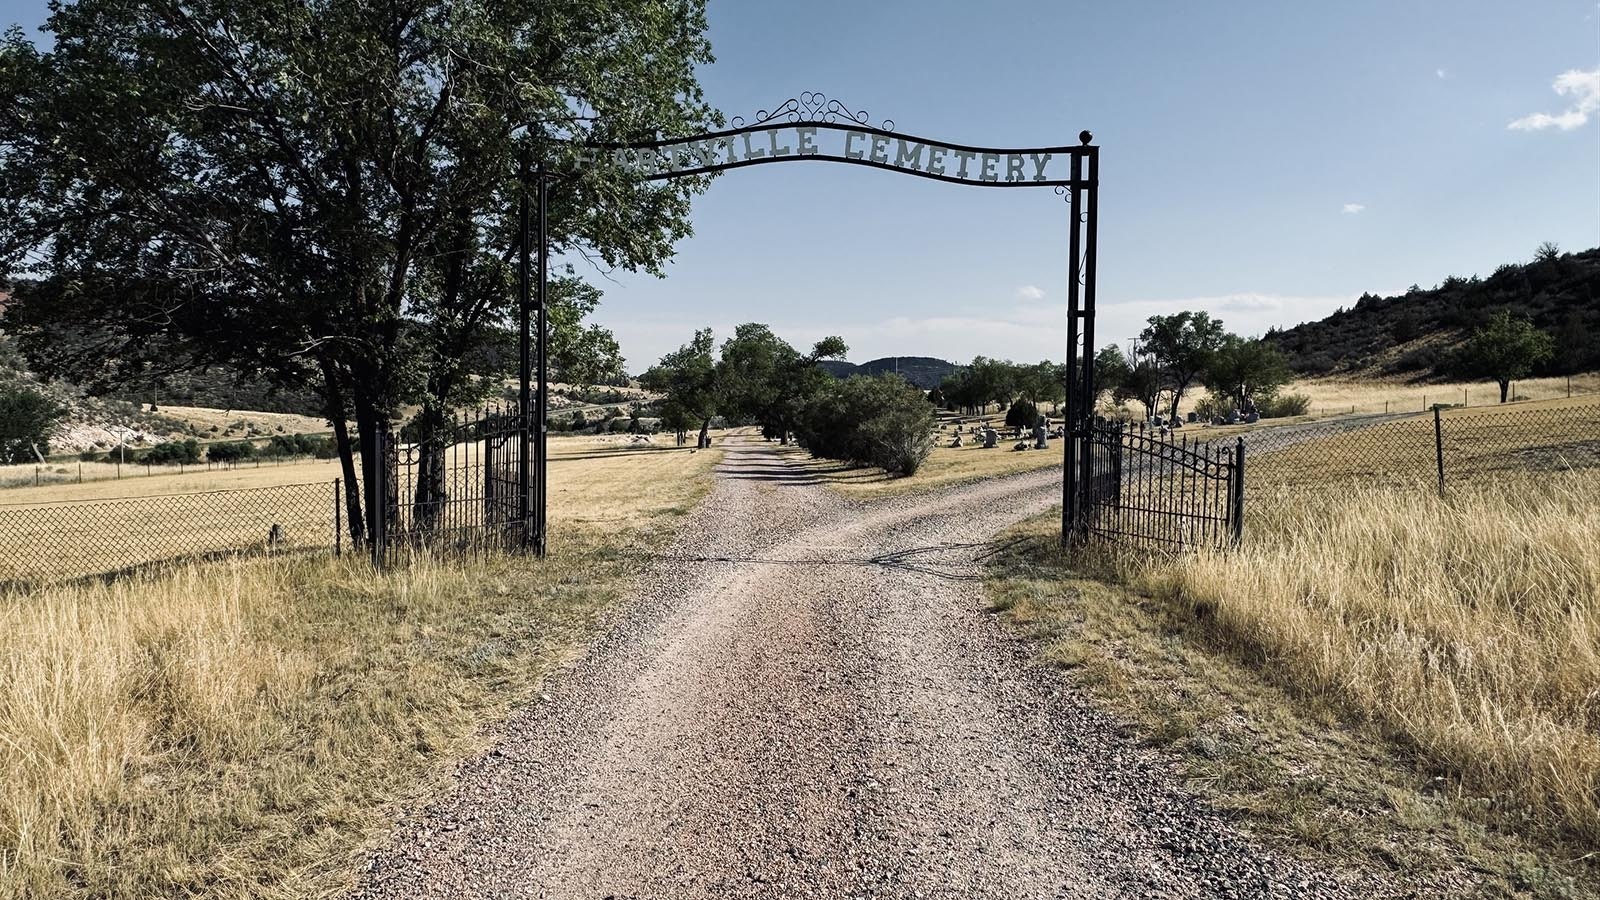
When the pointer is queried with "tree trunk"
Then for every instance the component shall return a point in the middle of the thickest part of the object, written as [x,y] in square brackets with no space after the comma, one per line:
[338,416]
[705,434]
[1505,388]
[376,465]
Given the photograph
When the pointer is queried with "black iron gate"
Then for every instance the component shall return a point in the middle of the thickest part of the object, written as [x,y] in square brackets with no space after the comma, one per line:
[1140,486]
[456,482]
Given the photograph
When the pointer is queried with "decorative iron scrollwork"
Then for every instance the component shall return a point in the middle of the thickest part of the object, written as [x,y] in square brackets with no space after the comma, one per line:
[811,106]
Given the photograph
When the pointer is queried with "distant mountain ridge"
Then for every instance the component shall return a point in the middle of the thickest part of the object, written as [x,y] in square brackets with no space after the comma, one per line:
[1411,334]
[923,371]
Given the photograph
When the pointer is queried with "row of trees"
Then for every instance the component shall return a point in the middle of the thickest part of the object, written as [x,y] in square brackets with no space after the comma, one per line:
[758,378]
[987,380]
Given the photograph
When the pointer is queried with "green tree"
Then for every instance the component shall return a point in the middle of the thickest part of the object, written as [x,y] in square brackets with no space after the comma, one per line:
[27,417]
[879,420]
[323,194]
[1112,372]
[1243,371]
[1181,346]
[1504,349]
[688,378]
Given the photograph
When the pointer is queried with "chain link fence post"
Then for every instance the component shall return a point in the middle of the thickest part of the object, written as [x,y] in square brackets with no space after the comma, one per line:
[1438,447]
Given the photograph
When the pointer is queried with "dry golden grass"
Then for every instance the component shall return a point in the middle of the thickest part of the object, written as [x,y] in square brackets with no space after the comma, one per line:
[1468,628]
[239,729]
[1332,395]
[1295,763]
[228,422]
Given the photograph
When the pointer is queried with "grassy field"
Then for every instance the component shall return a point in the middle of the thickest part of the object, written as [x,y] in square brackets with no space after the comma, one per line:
[1338,396]
[240,729]
[1378,673]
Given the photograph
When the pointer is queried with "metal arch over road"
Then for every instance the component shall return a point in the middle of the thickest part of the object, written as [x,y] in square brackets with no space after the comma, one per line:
[813,127]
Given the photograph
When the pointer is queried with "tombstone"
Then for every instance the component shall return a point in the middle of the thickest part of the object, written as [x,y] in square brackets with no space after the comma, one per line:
[1218,420]
[1040,436]
[1175,423]
[1193,417]
[1156,421]
[1020,445]
[1233,418]
[957,441]
[990,437]
[1252,417]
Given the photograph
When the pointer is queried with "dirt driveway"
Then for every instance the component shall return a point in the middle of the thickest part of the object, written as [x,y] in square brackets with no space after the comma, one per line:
[808,699]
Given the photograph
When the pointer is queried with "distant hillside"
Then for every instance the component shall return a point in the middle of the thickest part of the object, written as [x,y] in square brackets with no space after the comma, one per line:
[923,371]
[1410,334]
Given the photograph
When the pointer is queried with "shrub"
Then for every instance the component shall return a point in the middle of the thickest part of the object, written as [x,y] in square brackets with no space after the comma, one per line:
[1281,405]
[880,420]
[27,417]
[230,451]
[174,453]
[1022,414]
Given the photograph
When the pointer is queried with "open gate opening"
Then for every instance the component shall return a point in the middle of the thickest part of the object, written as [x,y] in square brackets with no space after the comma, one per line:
[1101,493]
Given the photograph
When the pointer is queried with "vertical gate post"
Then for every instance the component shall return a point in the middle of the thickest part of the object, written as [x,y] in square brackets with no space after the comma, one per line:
[541,309]
[1086,312]
[1238,491]
[1438,447]
[378,497]
[524,347]
[338,526]
[1071,429]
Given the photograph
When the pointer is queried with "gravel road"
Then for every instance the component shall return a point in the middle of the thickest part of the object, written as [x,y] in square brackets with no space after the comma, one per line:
[807,699]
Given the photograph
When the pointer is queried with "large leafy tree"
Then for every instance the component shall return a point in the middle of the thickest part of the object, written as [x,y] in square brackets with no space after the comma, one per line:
[688,378]
[27,417]
[761,378]
[318,192]
[1244,371]
[1505,349]
[1181,345]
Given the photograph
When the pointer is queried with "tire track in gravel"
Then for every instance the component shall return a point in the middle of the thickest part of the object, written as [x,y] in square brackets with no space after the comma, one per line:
[806,699]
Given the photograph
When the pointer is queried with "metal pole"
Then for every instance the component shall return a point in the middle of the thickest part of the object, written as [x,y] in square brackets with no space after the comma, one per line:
[1069,481]
[1086,464]
[542,459]
[1238,491]
[338,526]
[524,347]
[1438,447]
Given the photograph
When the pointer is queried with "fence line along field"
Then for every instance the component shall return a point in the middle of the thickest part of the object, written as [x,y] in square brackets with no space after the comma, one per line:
[72,530]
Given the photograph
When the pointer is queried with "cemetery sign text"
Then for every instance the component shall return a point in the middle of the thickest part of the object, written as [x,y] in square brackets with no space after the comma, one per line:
[812,127]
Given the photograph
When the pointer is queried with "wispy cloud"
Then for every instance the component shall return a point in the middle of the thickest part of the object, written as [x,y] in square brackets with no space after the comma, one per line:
[1030,292]
[1584,89]
[1441,73]
[1353,208]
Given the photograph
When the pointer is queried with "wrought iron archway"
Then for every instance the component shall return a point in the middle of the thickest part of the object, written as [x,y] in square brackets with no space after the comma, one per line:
[792,131]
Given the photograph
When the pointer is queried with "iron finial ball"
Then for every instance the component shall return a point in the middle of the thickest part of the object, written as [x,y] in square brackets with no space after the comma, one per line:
[1085,137]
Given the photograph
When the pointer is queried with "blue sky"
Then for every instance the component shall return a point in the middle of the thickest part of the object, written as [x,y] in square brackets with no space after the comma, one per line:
[1266,161]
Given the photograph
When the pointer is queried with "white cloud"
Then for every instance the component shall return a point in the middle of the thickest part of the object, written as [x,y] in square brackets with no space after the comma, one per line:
[1030,292]
[1353,208]
[1582,87]
[1441,73]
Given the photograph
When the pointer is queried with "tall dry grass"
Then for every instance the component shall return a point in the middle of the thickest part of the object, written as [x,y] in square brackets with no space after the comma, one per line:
[236,729]
[243,728]
[1467,628]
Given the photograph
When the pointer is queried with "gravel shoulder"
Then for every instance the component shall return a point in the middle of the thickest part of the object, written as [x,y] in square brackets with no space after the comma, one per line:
[807,699]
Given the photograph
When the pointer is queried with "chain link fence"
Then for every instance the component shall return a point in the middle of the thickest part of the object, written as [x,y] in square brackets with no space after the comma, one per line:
[1440,448]
[56,541]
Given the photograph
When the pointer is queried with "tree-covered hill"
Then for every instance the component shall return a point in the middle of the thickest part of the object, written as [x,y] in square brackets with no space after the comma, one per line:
[1411,334]
[923,371]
